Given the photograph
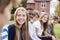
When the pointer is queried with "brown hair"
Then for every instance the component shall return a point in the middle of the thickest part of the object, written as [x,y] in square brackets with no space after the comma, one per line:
[24,26]
[3,4]
[36,12]
[55,18]
[45,25]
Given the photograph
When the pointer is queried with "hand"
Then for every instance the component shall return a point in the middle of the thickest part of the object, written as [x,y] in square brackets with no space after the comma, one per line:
[53,38]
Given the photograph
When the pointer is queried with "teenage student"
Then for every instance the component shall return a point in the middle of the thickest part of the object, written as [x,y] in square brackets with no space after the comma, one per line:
[18,30]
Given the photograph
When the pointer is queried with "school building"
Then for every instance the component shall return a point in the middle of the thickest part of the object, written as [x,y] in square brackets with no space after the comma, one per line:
[43,6]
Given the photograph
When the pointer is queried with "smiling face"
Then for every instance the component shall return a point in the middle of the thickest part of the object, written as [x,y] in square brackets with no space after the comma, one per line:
[54,21]
[44,18]
[21,17]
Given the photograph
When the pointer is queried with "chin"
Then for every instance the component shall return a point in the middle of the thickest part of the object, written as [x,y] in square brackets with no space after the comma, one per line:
[44,21]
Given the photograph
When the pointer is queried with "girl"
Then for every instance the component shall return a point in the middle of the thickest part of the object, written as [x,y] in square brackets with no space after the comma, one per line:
[41,26]
[5,11]
[18,30]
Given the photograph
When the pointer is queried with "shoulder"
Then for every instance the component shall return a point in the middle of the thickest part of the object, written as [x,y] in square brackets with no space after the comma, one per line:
[11,26]
[37,23]
[8,27]
[5,32]
[5,28]
[11,29]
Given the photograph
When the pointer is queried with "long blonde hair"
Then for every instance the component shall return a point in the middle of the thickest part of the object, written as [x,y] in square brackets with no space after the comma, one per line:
[24,26]
[45,25]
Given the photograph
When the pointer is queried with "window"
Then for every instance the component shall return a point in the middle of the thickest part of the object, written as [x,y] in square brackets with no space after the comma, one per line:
[43,4]
[43,11]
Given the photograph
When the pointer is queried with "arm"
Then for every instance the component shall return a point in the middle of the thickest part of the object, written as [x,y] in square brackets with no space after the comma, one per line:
[39,35]
[36,34]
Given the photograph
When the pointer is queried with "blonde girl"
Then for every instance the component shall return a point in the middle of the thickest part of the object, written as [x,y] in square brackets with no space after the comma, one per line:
[18,30]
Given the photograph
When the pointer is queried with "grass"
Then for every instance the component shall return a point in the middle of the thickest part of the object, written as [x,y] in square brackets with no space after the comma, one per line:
[10,22]
[56,29]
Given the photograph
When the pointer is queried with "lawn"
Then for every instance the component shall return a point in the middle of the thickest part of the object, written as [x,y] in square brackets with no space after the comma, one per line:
[10,22]
[56,28]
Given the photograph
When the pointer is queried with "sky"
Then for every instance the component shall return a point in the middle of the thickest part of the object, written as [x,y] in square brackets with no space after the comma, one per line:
[53,4]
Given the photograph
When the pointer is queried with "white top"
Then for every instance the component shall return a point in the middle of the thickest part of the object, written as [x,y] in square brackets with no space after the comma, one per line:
[37,25]
[32,31]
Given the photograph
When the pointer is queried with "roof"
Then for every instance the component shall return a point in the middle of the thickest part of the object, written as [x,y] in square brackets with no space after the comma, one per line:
[33,1]
[30,1]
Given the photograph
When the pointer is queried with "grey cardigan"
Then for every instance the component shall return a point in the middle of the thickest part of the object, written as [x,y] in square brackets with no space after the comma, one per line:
[51,29]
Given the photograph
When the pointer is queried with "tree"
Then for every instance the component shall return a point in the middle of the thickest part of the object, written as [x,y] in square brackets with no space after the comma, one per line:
[57,9]
[24,3]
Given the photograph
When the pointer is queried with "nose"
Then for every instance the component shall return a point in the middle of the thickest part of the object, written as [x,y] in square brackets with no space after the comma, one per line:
[21,17]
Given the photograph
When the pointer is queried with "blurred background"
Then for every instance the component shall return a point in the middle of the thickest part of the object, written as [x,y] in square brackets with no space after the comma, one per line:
[53,9]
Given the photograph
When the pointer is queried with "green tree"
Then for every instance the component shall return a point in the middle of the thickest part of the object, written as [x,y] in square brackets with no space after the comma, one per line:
[24,3]
[57,10]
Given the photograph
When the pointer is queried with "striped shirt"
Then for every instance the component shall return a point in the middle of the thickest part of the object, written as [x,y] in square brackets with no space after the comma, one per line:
[5,33]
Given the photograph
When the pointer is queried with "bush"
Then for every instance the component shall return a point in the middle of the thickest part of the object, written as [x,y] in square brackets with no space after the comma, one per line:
[12,17]
[13,10]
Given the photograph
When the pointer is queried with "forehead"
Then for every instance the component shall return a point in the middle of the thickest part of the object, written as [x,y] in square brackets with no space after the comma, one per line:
[21,12]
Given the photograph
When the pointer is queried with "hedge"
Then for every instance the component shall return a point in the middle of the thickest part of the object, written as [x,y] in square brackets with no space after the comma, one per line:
[12,17]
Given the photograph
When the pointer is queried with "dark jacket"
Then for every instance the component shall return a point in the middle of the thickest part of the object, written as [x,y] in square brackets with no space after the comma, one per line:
[51,29]
[12,33]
